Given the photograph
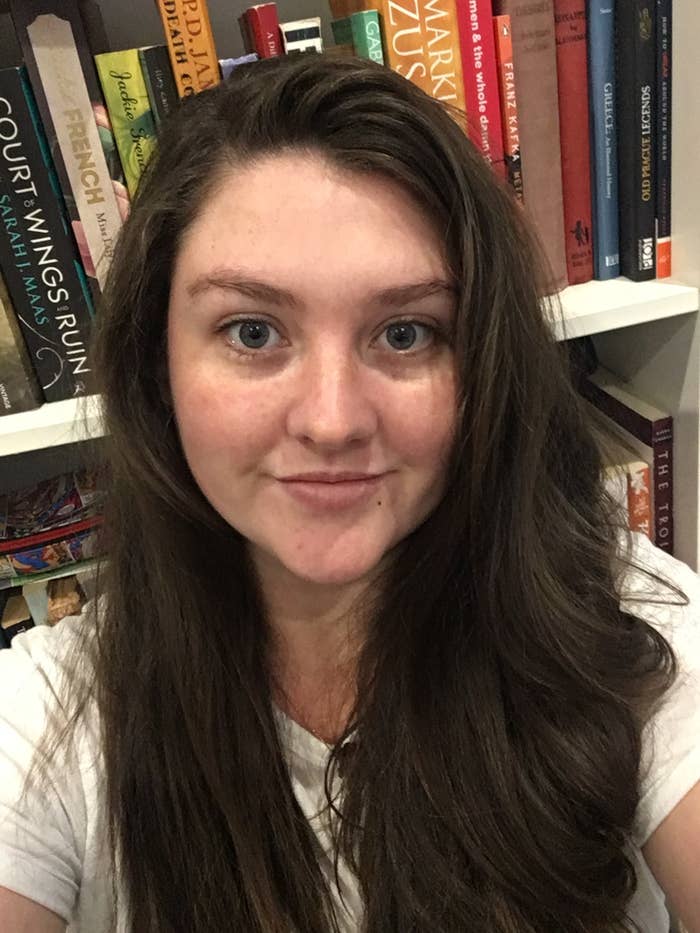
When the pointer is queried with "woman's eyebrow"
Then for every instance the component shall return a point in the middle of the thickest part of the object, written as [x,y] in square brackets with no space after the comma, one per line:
[230,280]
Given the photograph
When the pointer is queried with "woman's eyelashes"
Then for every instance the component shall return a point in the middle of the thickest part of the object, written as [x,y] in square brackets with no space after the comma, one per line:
[257,336]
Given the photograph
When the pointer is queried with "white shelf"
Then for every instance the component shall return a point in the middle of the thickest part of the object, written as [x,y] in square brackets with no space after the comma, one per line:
[50,425]
[588,309]
[604,306]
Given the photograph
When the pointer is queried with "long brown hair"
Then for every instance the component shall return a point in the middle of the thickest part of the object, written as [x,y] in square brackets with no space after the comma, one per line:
[501,689]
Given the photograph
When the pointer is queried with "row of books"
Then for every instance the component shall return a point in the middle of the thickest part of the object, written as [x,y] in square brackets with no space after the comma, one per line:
[51,526]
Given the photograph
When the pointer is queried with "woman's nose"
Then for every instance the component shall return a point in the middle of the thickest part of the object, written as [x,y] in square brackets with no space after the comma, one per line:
[331,405]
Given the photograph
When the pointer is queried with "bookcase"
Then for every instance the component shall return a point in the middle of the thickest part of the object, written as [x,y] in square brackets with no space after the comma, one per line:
[647,332]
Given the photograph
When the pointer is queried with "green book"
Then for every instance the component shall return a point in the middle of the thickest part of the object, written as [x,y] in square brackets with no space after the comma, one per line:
[362,32]
[129,109]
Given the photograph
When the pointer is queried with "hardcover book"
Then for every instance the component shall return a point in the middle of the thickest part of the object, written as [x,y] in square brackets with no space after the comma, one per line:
[261,23]
[603,124]
[649,431]
[535,60]
[481,93]
[635,36]
[188,32]
[361,34]
[509,103]
[302,35]
[160,83]
[421,42]
[664,45]
[129,109]
[38,255]
[62,73]
[19,389]
[572,78]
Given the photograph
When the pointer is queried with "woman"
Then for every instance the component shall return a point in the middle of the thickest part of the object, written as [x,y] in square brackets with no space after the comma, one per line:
[361,660]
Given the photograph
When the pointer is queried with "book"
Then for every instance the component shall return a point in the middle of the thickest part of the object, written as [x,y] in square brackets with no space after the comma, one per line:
[228,64]
[62,551]
[629,485]
[262,25]
[50,504]
[421,42]
[362,33]
[302,35]
[481,89]
[603,129]
[572,79]
[129,107]
[38,254]
[664,47]
[646,429]
[19,389]
[159,80]
[190,42]
[636,105]
[62,74]
[535,60]
[508,98]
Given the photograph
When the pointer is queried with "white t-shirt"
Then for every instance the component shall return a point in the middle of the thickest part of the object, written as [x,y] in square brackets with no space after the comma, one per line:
[51,849]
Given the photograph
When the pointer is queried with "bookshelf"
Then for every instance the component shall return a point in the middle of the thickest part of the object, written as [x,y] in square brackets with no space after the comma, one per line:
[648,332]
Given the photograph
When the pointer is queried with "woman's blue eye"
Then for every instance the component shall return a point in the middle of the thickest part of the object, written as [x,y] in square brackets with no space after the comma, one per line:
[253,335]
[404,335]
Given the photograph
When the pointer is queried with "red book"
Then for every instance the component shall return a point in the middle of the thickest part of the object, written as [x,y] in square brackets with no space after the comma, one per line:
[264,27]
[572,77]
[509,103]
[474,18]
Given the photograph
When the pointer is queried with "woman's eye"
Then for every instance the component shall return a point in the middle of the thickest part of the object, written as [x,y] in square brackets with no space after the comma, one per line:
[408,335]
[252,335]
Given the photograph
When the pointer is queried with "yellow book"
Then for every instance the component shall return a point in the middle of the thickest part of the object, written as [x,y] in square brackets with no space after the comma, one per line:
[190,44]
[129,109]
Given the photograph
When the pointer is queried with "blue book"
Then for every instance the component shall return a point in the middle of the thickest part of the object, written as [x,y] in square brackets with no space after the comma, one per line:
[604,181]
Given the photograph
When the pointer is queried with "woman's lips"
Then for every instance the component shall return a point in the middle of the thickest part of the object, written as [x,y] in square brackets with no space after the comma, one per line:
[332,493]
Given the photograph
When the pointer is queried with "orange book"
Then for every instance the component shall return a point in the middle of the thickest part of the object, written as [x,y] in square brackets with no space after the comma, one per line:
[190,44]
[509,102]
[420,39]
[639,496]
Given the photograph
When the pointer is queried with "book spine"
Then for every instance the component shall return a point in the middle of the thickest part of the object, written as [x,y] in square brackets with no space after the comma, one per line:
[302,35]
[572,79]
[535,60]
[64,81]
[367,35]
[343,37]
[19,389]
[195,64]
[662,496]
[129,109]
[227,65]
[639,497]
[264,29]
[422,42]
[636,94]
[509,103]
[160,84]
[603,127]
[481,94]
[37,252]
[664,45]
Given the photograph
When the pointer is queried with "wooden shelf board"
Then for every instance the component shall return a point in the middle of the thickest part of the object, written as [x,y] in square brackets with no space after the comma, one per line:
[603,306]
[50,426]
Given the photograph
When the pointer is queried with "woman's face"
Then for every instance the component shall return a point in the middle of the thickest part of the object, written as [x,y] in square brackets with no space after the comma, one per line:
[310,363]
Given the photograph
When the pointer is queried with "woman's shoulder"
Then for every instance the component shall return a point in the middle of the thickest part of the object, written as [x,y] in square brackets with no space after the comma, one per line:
[665,592]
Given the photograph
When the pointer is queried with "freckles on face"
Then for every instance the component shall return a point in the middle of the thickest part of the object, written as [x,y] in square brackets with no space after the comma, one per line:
[310,364]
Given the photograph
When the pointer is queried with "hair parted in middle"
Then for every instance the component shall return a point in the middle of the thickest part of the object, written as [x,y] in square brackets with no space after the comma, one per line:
[501,691]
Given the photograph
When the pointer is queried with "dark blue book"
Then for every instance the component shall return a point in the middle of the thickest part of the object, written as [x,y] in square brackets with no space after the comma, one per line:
[664,70]
[603,116]
[635,46]
[38,254]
